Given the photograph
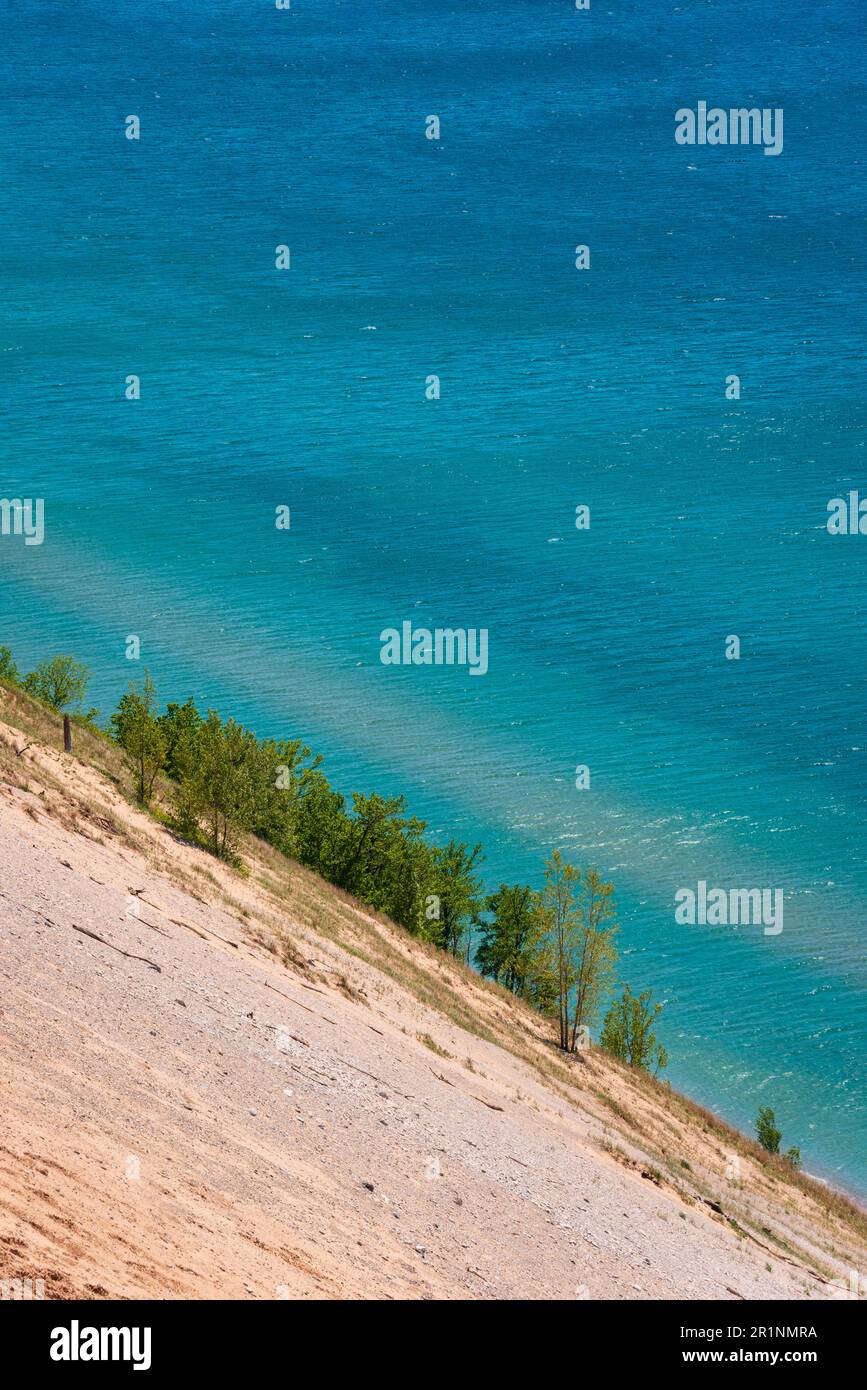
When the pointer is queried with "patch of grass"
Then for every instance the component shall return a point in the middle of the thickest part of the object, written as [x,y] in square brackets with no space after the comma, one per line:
[618,1154]
[831,1202]
[618,1110]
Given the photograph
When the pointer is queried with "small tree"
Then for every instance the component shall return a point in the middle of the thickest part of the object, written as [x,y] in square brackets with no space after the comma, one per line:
[559,929]
[59,682]
[766,1130]
[9,674]
[628,1031]
[511,940]
[322,824]
[541,987]
[595,953]
[458,887]
[178,724]
[280,768]
[139,732]
[577,927]
[217,791]
[373,833]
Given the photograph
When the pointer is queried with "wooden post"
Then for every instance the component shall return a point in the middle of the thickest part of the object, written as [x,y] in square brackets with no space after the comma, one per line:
[67,733]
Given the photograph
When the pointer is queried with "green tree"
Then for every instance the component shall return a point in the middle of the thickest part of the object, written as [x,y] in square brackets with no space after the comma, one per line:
[577,923]
[179,724]
[457,886]
[9,673]
[595,950]
[322,824]
[559,924]
[140,733]
[541,987]
[386,862]
[217,785]
[766,1130]
[373,837]
[59,682]
[628,1031]
[410,879]
[278,767]
[510,941]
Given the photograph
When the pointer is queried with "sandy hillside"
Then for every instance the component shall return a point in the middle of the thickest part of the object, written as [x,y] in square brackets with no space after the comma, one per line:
[249,1087]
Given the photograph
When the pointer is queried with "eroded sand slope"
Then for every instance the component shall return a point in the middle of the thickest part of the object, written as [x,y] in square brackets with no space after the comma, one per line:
[204,1095]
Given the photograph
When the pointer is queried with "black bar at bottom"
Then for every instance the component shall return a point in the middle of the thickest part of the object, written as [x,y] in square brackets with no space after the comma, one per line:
[236,1338]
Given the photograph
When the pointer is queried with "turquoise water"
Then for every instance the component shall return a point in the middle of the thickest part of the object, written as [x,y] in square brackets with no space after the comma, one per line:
[306,388]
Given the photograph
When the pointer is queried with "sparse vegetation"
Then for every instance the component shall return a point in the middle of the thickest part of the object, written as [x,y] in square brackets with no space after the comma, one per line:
[9,674]
[766,1130]
[770,1137]
[138,731]
[628,1031]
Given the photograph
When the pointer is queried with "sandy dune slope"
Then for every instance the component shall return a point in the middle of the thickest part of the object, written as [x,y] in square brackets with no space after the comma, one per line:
[203,1094]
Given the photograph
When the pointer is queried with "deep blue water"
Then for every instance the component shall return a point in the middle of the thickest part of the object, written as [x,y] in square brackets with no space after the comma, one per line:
[559,387]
